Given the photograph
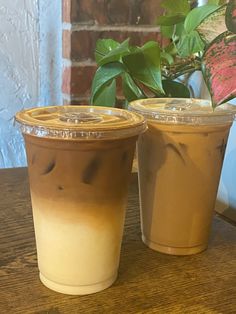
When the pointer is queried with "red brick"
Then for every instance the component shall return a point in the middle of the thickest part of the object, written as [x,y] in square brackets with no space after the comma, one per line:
[119,12]
[88,12]
[66,11]
[115,12]
[66,80]
[66,44]
[80,101]
[149,11]
[81,80]
[83,42]
[119,91]
[82,45]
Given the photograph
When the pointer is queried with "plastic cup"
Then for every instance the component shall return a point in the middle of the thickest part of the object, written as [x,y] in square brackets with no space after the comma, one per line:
[180,159]
[79,163]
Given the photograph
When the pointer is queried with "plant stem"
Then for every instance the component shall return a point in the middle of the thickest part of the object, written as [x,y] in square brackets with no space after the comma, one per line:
[181,68]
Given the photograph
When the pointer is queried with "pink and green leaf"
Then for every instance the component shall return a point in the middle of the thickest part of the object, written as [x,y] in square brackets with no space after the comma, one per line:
[213,25]
[219,68]
[230,16]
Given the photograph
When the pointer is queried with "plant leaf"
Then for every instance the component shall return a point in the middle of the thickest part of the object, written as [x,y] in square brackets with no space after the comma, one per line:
[104,75]
[168,20]
[103,47]
[176,6]
[179,31]
[130,89]
[197,15]
[167,57]
[108,50]
[175,89]
[189,44]
[144,65]
[106,96]
[213,25]
[167,31]
[230,16]
[219,68]
[171,49]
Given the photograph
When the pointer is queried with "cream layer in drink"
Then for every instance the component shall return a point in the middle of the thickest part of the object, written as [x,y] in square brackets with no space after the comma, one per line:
[79,190]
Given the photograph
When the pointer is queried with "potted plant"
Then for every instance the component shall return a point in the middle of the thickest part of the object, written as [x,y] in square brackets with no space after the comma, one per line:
[201,39]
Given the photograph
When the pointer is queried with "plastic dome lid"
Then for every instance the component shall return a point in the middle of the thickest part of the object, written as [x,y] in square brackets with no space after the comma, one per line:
[80,122]
[183,111]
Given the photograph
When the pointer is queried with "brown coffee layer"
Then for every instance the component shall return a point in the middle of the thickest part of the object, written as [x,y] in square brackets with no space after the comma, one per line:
[74,179]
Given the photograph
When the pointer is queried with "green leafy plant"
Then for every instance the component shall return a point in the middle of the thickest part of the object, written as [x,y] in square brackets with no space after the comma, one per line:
[200,39]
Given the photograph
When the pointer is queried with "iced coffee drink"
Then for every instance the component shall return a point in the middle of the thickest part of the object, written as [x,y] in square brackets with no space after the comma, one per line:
[180,159]
[79,161]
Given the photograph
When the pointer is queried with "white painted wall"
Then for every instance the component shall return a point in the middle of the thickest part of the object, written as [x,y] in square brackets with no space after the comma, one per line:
[50,52]
[30,67]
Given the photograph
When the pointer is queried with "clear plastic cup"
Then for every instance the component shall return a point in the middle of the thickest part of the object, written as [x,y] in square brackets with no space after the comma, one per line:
[180,159]
[79,163]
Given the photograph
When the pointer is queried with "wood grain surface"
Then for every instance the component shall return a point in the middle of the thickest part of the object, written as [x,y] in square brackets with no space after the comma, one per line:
[149,282]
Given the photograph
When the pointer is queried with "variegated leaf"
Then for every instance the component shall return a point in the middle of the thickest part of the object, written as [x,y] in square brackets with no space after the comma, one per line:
[219,68]
[213,25]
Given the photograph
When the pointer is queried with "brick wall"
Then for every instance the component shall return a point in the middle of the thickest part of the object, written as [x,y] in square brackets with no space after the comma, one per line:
[85,21]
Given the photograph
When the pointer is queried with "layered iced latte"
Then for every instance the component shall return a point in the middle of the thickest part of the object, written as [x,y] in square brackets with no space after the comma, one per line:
[79,162]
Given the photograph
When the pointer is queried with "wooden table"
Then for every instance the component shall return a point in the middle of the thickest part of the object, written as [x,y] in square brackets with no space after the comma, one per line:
[149,282]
